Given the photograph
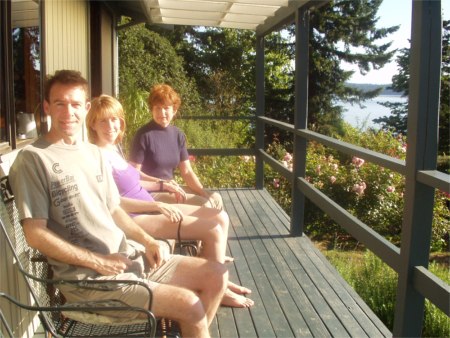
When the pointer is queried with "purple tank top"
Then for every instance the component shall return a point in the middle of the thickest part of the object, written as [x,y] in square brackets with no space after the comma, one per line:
[128,183]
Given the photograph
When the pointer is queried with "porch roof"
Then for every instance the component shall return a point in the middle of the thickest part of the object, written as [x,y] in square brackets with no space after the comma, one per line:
[258,15]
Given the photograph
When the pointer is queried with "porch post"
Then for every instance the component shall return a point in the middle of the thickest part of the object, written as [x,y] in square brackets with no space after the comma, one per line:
[260,108]
[300,116]
[423,117]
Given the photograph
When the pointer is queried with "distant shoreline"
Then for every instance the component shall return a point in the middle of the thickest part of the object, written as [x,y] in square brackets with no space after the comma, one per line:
[370,86]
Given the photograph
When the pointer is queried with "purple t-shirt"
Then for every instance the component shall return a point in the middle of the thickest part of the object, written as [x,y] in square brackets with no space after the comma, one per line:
[159,150]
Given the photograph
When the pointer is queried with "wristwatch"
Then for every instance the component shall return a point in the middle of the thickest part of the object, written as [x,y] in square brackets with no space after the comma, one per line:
[161,185]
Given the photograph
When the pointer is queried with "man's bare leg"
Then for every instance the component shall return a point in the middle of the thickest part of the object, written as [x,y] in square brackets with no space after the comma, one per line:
[182,306]
[207,279]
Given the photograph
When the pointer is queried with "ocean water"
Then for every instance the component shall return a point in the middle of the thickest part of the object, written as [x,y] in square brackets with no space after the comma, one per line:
[362,117]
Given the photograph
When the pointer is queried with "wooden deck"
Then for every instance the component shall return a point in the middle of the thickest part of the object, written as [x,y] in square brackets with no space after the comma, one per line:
[297,293]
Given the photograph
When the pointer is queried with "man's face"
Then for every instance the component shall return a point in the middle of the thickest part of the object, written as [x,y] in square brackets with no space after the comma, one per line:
[67,108]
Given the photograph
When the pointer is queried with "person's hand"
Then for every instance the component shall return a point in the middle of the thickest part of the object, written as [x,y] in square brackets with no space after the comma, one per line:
[112,264]
[173,187]
[156,253]
[171,212]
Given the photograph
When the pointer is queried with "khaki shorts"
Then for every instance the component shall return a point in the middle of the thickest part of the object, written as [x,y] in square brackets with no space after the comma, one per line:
[133,295]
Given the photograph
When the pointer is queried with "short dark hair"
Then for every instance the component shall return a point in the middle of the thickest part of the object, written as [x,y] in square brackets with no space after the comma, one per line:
[65,77]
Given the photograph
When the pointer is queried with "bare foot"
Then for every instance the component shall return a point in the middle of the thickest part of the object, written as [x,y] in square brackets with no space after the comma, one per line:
[228,259]
[232,299]
[238,289]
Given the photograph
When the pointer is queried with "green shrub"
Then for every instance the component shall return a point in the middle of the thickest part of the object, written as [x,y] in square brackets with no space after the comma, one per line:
[371,193]
[225,172]
[376,283]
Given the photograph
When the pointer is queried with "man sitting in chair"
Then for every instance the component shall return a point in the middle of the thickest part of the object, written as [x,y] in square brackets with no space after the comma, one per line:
[70,211]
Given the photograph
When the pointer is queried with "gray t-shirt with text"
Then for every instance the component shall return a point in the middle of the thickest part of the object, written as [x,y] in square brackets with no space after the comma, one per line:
[72,187]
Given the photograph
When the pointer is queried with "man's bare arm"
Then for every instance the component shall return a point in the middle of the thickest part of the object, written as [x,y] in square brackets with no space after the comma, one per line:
[133,231]
[51,245]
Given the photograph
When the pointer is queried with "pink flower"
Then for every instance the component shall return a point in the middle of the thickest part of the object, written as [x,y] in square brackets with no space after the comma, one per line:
[192,158]
[404,147]
[276,183]
[359,188]
[246,158]
[390,189]
[335,167]
[332,179]
[284,163]
[287,157]
[318,169]
[358,162]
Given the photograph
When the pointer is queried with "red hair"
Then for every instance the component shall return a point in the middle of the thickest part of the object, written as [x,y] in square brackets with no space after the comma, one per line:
[163,94]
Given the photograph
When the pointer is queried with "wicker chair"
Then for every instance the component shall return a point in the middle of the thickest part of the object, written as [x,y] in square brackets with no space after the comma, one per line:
[81,319]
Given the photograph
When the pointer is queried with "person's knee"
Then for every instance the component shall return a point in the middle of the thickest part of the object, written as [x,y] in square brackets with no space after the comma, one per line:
[224,220]
[217,233]
[193,310]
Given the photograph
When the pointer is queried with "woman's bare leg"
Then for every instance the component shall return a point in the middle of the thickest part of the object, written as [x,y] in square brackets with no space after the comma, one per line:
[195,228]
[207,225]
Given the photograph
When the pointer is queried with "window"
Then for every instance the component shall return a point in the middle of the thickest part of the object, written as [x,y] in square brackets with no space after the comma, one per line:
[21,60]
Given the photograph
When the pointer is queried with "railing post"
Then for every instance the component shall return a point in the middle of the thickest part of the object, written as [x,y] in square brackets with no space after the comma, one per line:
[423,117]
[300,117]
[260,107]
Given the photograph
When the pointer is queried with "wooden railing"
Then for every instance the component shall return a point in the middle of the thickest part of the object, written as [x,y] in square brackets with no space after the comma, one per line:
[415,283]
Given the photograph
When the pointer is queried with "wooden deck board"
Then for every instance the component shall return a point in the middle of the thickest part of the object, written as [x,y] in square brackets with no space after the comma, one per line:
[297,293]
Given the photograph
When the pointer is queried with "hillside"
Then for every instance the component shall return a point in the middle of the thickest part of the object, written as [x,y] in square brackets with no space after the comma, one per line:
[369,86]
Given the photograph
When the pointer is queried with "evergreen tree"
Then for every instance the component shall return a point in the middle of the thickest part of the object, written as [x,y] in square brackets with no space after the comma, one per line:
[222,63]
[397,120]
[343,30]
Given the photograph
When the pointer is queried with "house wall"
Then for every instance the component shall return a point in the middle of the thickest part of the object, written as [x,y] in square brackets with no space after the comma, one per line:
[66,36]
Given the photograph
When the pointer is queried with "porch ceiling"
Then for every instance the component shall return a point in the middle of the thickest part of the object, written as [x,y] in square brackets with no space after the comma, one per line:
[258,15]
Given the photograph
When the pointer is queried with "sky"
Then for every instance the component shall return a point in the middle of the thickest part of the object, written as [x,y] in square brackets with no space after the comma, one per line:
[392,13]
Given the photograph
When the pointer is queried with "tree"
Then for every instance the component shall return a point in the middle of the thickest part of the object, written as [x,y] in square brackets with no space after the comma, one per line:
[222,61]
[343,30]
[397,120]
[147,58]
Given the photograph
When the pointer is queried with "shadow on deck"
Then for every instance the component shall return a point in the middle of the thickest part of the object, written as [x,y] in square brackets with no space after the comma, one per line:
[297,293]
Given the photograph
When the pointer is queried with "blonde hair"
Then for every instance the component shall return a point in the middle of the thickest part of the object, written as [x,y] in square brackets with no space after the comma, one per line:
[104,107]
[163,94]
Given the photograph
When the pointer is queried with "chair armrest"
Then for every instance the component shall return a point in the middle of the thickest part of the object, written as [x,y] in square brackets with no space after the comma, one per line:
[88,307]
[93,284]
